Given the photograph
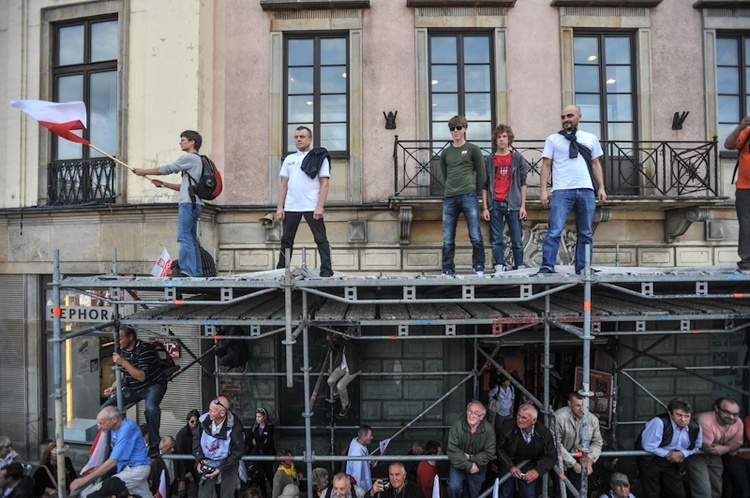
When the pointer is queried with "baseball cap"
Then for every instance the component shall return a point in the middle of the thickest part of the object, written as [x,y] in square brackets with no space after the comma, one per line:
[111,486]
[620,477]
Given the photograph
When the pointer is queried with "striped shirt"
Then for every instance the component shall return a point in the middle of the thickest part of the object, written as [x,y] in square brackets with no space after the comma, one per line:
[143,357]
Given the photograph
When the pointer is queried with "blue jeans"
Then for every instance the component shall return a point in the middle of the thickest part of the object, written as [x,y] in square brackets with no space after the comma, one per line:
[583,202]
[452,207]
[526,489]
[153,395]
[473,483]
[499,215]
[187,237]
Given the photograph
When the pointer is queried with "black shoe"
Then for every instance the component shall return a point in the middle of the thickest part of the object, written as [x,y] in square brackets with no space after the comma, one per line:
[184,275]
[326,274]
[544,269]
[344,410]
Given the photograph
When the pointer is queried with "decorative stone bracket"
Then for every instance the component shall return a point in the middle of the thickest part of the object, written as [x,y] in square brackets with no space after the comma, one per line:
[679,220]
[601,215]
[405,217]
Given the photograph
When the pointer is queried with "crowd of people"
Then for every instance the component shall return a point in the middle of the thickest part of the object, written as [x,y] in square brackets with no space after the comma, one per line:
[702,448]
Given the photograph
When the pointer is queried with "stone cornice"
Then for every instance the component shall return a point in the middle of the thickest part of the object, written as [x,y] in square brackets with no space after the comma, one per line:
[605,3]
[273,5]
[723,4]
[460,3]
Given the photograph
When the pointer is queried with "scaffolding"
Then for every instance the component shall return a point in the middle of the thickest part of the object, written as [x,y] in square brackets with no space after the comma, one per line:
[580,310]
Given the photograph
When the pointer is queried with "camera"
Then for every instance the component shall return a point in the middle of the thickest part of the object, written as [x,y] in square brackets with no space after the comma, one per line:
[386,485]
[205,469]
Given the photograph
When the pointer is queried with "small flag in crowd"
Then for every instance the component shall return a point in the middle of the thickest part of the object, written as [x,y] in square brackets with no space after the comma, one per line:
[163,265]
[383,445]
[60,118]
[162,492]
[496,488]
[97,453]
[436,487]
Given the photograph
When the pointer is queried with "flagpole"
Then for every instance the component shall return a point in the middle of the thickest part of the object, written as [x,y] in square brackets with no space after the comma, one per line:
[115,159]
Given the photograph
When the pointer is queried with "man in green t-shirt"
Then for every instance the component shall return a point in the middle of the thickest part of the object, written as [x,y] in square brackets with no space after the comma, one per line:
[462,165]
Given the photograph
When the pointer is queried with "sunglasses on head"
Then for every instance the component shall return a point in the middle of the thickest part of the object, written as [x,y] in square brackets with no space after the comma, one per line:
[459,128]
[217,402]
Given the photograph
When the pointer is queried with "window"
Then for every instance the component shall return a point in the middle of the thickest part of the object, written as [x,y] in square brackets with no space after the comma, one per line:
[732,80]
[461,83]
[604,85]
[85,68]
[317,91]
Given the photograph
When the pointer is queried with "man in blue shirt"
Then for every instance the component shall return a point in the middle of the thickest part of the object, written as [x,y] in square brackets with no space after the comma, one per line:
[670,438]
[129,455]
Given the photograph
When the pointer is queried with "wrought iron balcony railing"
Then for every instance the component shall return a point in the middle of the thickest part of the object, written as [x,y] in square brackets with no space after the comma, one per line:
[639,169]
[82,181]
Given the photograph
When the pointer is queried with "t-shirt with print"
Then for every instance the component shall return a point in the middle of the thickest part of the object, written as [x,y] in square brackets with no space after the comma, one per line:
[502,176]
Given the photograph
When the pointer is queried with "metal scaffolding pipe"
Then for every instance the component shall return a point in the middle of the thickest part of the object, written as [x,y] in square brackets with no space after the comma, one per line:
[288,340]
[180,302]
[694,374]
[57,373]
[308,405]
[643,388]
[514,382]
[585,391]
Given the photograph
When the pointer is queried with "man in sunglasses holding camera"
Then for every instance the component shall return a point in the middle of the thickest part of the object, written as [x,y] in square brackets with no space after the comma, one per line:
[218,445]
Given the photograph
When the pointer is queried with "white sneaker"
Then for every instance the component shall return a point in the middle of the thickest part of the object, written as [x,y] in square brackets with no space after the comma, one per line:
[499,269]
[479,273]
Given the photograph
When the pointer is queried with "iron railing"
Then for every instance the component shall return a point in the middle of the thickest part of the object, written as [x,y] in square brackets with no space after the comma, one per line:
[631,169]
[81,181]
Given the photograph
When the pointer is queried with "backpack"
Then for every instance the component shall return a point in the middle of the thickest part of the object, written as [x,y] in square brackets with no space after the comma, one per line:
[166,361]
[207,261]
[209,185]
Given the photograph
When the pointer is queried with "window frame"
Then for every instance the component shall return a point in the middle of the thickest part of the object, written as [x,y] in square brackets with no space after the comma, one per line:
[603,93]
[742,37]
[86,69]
[460,73]
[316,65]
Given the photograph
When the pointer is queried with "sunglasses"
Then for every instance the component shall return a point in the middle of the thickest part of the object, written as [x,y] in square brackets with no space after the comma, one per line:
[459,128]
[217,402]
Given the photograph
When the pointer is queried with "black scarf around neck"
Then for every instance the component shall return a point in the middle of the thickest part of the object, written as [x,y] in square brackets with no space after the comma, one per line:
[571,137]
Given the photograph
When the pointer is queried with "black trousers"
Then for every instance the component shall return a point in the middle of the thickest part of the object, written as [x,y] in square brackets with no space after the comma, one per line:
[660,477]
[318,229]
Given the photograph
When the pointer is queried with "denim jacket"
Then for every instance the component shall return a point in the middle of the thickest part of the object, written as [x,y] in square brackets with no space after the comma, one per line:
[519,168]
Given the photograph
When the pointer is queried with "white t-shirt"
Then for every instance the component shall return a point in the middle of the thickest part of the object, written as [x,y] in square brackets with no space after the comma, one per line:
[303,192]
[570,173]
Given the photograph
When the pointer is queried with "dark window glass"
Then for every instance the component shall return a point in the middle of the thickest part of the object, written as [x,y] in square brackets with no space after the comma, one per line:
[85,68]
[732,82]
[317,91]
[461,83]
[605,84]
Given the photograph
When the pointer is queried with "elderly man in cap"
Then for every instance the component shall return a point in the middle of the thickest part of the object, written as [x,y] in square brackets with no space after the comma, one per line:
[620,487]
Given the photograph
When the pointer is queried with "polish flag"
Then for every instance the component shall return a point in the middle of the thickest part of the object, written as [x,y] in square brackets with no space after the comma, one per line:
[163,265]
[97,453]
[162,492]
[60,118]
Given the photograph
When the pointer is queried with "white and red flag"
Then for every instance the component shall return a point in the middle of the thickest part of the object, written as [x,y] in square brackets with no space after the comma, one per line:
[60,118]
[163,265]
[97,453]
[162,492]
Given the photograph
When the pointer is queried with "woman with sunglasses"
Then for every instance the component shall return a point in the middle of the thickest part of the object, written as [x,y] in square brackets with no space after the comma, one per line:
[262,443]
[184,446]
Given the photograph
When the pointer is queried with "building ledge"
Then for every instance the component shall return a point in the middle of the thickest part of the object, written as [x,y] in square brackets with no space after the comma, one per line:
[605,3]
[723,4]
[272,5]
[461,3]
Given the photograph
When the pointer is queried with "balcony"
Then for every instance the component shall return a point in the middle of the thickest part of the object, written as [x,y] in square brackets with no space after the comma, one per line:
[643,170]
[81,181]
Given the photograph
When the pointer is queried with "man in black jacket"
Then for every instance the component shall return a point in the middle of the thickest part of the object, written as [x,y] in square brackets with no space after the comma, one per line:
[218,445]
[397,485]
[524,439]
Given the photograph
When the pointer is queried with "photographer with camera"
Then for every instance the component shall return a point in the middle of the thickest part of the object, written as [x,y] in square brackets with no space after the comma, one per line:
[397,486]
[218,445]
